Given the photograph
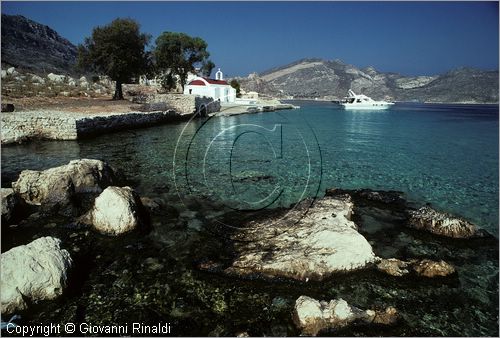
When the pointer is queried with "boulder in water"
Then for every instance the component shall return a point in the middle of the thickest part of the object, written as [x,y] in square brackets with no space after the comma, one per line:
[312,316]
[441,223]
[116,210]
[35,271]
[429,268]
[423,268]
[56,187]
[393,267]
[307,242]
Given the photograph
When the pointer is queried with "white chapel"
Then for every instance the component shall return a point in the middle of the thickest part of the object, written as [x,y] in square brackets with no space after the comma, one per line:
[217,88]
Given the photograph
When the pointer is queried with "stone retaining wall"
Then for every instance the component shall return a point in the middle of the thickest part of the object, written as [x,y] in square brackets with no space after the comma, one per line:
[57,125]
[185,104]
[22,126]
[100,124]
[19,126]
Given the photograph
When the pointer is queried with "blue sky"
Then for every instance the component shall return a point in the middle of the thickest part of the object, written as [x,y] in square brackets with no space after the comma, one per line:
[412,38]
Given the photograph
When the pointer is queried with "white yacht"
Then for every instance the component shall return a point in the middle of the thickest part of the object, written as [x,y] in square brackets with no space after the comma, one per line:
[359,101]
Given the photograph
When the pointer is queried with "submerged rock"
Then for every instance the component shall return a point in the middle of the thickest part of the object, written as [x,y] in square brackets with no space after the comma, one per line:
[301,245]
[387,317]
[56,187]
[151,204]
[428,268]
[387,197]
[116,210]
[441,223]
[423,268]
[36,271]
[393,267]
[312,316]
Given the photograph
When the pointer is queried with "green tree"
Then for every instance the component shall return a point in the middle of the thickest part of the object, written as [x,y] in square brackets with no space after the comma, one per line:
[177,54]
[207,67]
[236,85]
[116,50]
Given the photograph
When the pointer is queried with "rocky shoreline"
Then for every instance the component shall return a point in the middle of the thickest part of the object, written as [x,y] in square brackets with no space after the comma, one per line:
[22,126]
[330,248]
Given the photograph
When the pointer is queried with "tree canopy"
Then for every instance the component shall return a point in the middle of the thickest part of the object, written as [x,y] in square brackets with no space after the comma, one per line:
[177,54]
[207,67]
[236,85]
[116,50]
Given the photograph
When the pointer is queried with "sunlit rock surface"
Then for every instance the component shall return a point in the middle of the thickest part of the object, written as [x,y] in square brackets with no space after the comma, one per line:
[312,316]
[56,187]
[429,268]
[423,268]
[441,223]
[301,245]
[35,271]
[116,210]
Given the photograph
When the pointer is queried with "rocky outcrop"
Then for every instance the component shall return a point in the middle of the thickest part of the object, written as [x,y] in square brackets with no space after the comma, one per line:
[56,187]
[312,316]
[36,271]
[441,223]
[301,245]
[31,45]
[424,268]
[116,211]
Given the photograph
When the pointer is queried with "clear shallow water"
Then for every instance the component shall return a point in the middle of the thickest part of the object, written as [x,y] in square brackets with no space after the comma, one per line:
[446,155]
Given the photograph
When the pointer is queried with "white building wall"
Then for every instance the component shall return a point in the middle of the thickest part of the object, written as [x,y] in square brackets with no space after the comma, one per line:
[225,93]
[199,90]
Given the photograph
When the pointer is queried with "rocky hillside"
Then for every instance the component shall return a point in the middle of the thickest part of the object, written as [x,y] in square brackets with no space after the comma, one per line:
[29,45]
[317,78]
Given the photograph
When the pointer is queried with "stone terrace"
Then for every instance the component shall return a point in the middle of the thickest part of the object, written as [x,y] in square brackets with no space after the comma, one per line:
[72,121]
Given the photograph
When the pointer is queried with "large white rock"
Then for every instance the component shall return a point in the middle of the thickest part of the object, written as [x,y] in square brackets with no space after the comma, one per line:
[56,186]
[37,79]
[312,316]
[12,71]
[56,78]
[302,245]
[36,271]
[71,82]
[308,315]
[4,73]
[116,210]
[83,82]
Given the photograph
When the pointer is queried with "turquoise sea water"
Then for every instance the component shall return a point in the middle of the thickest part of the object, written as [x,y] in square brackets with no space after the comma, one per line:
[446,155]
[440,154]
